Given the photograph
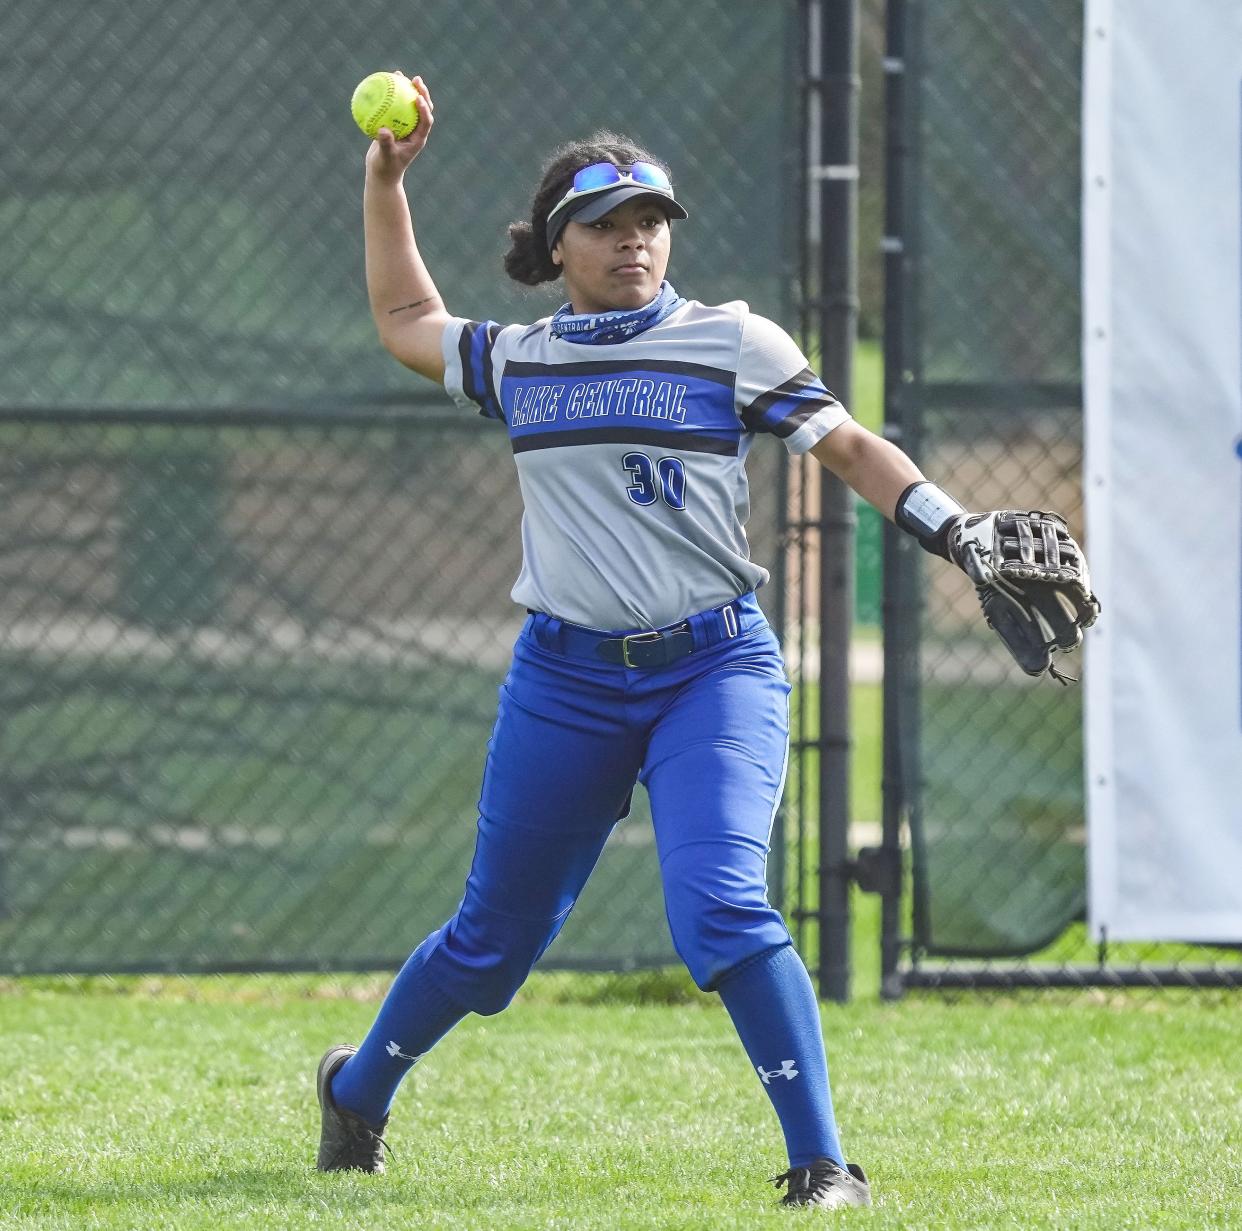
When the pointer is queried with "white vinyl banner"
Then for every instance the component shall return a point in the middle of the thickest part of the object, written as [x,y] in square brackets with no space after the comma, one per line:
[1162,354]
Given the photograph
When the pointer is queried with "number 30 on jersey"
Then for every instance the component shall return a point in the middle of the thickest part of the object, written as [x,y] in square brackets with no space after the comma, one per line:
[651,481]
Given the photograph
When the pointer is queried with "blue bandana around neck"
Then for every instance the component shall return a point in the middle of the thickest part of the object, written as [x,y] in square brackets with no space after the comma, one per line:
[607,327]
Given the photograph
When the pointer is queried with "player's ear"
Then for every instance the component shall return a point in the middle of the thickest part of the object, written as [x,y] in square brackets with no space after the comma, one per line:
[557,259]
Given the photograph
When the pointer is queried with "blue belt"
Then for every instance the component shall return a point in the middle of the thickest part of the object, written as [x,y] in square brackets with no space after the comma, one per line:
[657,648]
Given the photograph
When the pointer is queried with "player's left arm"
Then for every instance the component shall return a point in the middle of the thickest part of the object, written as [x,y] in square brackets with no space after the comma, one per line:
[874,467]
[1030,574]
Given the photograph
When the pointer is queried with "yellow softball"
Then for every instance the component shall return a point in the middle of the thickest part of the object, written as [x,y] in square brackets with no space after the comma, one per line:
[385,100]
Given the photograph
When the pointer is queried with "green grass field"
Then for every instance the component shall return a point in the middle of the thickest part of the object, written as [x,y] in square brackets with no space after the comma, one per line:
[190,1104]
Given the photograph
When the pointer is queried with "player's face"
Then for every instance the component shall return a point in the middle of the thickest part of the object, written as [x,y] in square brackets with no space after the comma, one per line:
[616,262]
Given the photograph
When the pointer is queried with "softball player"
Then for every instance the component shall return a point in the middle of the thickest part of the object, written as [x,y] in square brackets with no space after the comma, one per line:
[645,656]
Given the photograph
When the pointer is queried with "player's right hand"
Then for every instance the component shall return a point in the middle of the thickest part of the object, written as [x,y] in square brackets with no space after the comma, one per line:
[388,157]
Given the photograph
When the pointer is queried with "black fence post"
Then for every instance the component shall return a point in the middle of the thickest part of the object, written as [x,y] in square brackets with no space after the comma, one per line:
[833,50]
[896,595]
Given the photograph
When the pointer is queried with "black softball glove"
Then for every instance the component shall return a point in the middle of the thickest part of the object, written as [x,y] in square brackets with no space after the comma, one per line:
[1032,580]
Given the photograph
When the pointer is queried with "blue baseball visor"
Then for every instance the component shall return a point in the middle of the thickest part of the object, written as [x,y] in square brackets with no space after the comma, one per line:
[601,187]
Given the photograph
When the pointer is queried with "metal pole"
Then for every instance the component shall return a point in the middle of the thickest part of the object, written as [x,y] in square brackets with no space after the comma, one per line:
[834,81]
[896,544]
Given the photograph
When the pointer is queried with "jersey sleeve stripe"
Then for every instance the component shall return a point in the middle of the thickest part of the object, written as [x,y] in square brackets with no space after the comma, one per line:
[801,413]
[794,401]
[474,348]
[754,413]
[481,356]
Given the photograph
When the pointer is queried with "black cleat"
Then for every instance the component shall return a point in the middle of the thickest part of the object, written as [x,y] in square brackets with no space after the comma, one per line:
[825,1184]
[346,1141]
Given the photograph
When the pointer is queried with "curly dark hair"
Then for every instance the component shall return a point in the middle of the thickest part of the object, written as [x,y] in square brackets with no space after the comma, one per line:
[528,260]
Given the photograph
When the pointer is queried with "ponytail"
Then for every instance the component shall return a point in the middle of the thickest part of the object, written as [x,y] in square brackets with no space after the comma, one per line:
[528,260]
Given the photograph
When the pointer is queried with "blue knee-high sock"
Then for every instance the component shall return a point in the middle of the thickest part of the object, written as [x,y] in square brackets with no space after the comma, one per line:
[414,1017]
[774,1009]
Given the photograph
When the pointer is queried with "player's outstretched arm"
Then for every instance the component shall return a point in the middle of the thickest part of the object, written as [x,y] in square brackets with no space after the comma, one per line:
[874,467]
[408,311]
[1030,574]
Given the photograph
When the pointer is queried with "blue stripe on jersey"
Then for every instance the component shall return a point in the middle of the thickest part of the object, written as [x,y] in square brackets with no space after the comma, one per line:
[564,400]
[783,410]
[475,350]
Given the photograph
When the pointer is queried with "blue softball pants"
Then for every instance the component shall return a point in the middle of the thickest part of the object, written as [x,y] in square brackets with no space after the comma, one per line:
[708,735]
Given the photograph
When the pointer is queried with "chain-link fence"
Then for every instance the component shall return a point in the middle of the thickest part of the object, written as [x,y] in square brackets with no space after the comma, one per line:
[248,668]
[983,388]
[255,576]
[183,181]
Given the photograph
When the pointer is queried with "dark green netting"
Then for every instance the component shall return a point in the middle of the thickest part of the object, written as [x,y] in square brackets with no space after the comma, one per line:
[249,658]
[247,677]
[194,238]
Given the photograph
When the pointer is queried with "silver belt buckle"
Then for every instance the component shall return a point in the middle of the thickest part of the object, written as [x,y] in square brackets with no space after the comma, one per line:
[730,621]
[642,637]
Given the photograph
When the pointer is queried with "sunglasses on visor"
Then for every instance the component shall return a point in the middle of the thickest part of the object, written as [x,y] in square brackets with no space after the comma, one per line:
[607,174]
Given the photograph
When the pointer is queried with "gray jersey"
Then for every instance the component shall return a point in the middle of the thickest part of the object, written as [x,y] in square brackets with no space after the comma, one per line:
[631,456]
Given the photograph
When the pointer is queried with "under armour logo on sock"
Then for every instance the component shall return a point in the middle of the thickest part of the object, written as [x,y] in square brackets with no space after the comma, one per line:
[786,1070]
[396,1053]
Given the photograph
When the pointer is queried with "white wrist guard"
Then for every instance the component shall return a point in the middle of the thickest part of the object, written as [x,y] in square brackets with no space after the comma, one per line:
[927,512]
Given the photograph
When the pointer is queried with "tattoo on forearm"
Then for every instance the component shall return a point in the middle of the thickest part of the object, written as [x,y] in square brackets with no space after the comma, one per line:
[405,307]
